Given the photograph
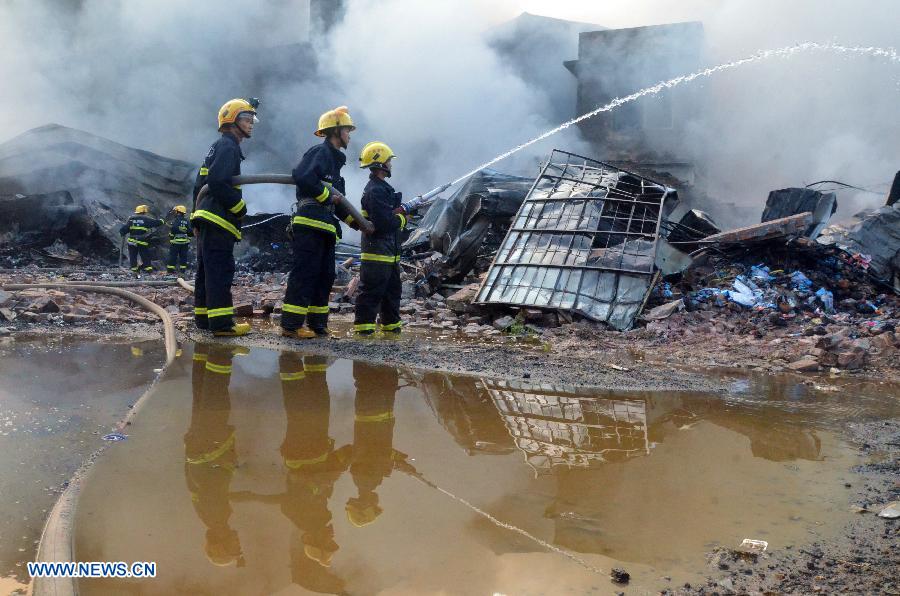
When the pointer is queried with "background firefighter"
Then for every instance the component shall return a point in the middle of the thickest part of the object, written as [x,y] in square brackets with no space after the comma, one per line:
[138,232]
[380,284]
[217,218]
[179,240]
[315,228]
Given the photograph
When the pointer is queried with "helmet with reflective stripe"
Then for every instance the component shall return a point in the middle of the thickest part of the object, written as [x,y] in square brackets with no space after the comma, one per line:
[338,117]
[375,154]
[142,209]
[228,113]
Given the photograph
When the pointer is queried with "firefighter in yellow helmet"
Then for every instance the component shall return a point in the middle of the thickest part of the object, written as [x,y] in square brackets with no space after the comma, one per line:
[217,219]
[379,289]
[316,227]
[179,240]
[138,233]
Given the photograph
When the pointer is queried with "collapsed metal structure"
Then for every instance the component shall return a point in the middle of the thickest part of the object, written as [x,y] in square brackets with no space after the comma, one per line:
[584,240]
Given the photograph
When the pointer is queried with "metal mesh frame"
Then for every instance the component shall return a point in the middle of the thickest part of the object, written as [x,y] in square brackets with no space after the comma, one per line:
[583,240]
[553,428]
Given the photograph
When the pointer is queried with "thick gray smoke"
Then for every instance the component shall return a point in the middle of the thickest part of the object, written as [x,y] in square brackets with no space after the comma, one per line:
[783,122]
[425,77]
[152,75]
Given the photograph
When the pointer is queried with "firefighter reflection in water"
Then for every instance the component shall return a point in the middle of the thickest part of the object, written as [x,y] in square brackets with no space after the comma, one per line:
[312,466]
[372,455]
[209,452]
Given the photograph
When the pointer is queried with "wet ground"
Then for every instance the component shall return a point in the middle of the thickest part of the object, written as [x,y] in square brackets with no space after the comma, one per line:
[254,471]
[57,399]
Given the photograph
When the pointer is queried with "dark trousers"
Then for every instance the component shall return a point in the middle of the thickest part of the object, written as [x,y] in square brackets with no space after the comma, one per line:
[178,256]
[144,252]
[379,293]
[309,284]
[213,308]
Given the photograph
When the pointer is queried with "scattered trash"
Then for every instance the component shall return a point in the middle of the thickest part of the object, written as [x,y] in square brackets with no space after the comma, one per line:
[617,367]
[620,576]
[113,437]
[890,511]
[826,298]
[664,311]
[758,546]
[799,281]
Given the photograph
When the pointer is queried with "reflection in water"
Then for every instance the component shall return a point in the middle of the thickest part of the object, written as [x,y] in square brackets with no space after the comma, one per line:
[209,452]
[507,477]
[312,466]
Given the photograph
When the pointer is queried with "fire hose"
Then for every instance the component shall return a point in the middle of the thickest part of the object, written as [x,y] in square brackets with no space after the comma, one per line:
[364,224]
[107,288]
[56,543]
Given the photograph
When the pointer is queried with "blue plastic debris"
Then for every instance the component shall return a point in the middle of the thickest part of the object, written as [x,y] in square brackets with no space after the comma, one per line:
[826,298]
[760,273]
[801,282]
[115,437]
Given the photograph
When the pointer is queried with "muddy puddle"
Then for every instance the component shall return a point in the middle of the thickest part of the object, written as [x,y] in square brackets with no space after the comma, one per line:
[57,399]
[255,472]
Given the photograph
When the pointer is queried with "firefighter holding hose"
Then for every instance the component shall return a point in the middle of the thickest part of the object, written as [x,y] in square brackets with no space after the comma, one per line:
[316,228]
[217,220]
[380,284]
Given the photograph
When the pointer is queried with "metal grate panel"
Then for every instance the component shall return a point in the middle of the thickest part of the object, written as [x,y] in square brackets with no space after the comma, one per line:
[583,240]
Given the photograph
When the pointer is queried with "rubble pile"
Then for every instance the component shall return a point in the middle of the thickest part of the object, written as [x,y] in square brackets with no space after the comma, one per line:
[784,293]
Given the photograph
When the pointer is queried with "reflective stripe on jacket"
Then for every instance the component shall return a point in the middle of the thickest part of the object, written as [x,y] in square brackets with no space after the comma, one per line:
[378,202]
[223,204]
[317,173]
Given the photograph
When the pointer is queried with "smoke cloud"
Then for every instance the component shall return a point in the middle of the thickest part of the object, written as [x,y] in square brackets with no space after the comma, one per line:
[425,78]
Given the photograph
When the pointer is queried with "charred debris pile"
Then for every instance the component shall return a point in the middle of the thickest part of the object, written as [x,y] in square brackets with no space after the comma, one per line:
[589,241]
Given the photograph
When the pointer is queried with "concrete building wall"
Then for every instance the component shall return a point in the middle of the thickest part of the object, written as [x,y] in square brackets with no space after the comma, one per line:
[616,63]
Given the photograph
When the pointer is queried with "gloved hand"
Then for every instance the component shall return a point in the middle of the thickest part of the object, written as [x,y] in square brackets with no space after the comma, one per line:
[401,210]
[336,197]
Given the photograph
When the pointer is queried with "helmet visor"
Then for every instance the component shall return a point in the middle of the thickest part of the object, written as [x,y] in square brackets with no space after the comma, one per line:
[248,116]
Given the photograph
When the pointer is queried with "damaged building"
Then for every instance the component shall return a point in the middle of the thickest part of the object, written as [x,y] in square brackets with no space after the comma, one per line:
[59,184]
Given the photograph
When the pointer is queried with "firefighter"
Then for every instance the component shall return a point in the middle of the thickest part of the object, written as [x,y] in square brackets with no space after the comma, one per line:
[137,231]
[315,228]
[217,220]
[379,290]
[210,456]
[179,240]
[312,466]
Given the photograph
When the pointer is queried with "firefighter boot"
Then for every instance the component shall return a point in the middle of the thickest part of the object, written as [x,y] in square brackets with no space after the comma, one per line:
[302,333]
[237,330]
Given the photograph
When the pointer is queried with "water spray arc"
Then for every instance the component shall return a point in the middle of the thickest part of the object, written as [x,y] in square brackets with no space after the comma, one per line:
[890,54]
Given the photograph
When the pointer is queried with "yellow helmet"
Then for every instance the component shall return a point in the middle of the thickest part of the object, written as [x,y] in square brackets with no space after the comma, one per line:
[374,154]
[180,209]
[229,112]
[333,119]
[142,209]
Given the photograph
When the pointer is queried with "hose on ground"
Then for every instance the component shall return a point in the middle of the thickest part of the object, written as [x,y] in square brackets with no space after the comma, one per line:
[168,324]
[364,224]
[180,281]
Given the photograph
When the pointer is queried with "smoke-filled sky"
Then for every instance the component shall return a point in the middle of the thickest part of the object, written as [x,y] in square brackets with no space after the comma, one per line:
[423,77]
